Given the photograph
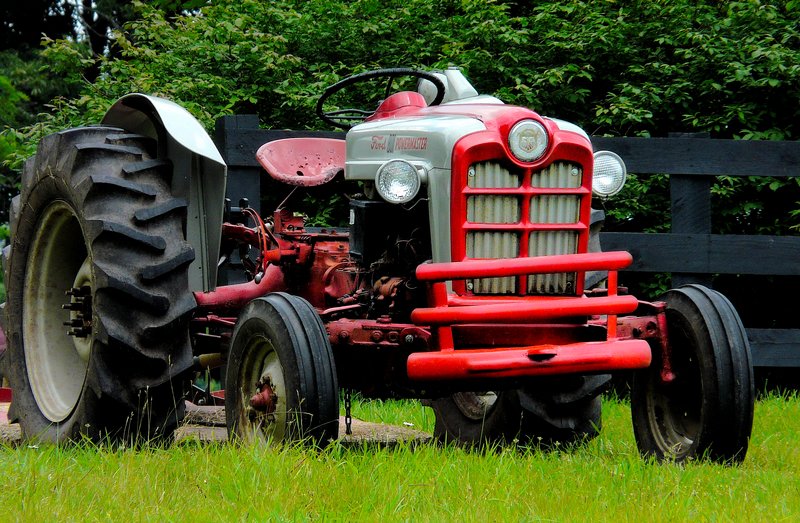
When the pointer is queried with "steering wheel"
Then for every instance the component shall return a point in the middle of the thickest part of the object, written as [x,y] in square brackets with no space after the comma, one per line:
[348,117]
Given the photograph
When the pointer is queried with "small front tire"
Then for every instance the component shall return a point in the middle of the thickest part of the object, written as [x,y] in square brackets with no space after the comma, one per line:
[281,380]
[707,410]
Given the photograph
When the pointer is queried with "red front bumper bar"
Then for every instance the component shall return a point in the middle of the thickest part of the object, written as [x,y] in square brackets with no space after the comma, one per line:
[537,360]
[541,360]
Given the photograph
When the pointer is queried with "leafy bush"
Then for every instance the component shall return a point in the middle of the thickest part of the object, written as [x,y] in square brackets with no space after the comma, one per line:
[627,67]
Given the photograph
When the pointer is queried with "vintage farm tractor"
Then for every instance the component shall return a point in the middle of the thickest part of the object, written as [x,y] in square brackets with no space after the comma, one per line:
[470,276]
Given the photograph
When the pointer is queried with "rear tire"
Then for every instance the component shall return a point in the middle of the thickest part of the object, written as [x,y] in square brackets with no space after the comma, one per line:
[281,379]
[97,214]
[707,411]
[554,412]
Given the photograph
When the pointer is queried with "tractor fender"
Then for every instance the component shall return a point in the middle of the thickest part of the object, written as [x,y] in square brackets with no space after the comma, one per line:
[198,169]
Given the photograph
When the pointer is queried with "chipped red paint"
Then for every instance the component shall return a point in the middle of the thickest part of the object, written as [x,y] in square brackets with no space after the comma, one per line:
[5,399]
[265,400]
[234,297]
[306,162]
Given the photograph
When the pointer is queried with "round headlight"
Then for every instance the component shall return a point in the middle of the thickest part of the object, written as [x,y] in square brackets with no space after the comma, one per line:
[528,140]
[609,174]
[397,181]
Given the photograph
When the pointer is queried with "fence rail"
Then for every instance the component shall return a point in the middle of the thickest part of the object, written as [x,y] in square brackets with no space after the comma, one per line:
[690,252]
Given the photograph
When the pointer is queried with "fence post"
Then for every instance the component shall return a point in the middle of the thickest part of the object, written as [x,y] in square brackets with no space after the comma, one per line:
[691,211]
[244,181]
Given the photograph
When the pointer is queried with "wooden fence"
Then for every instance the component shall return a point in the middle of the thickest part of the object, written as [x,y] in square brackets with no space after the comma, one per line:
[690,252]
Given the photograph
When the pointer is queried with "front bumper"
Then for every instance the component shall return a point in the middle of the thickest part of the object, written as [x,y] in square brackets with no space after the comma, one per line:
[449,310]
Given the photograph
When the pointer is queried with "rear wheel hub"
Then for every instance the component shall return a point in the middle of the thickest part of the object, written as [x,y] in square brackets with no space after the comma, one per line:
[56,359]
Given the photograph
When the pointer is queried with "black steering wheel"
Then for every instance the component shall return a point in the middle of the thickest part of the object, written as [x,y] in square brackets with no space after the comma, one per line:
[348,117]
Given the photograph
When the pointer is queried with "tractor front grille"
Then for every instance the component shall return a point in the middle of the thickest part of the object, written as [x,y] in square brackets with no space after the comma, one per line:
[513,213]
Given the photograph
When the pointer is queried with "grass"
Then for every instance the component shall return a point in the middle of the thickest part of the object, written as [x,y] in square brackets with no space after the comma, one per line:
[604,481]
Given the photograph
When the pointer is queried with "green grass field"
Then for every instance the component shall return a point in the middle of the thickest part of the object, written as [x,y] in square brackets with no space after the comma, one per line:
[605,480]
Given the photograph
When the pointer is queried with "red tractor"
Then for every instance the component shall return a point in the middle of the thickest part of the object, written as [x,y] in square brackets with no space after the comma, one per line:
[470,276]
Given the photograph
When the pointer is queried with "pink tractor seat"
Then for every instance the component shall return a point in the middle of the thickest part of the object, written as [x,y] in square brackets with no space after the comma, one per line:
[307,162]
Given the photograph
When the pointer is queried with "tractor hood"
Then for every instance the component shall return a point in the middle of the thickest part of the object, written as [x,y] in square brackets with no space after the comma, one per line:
[424,140]
[426,137]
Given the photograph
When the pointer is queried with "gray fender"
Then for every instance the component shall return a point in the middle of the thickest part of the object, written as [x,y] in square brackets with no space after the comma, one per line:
[199,172]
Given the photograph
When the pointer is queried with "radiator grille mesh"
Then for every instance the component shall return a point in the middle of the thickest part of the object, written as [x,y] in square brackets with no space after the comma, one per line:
[518,206]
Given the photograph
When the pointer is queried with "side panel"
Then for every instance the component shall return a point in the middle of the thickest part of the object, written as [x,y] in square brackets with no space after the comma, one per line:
[198,167]
[427,140]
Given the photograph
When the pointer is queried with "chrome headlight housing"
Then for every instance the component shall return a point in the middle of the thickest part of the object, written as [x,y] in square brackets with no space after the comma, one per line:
[528,140]
[609,174]
[397,181]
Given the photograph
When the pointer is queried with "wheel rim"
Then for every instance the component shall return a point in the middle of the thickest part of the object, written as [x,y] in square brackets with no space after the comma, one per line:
[263,377]
[475,405]
[674,409]
[56,361]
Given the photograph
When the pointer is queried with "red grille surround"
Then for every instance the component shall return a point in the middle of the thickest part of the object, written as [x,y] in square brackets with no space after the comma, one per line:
[491,146]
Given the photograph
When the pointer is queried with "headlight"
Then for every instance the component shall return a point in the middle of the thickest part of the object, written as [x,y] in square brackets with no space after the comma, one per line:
[528,140]
[609,174]
[397,181]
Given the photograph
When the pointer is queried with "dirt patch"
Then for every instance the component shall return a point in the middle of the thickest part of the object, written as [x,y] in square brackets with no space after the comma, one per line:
[9,433]
[363,432]
[207,424]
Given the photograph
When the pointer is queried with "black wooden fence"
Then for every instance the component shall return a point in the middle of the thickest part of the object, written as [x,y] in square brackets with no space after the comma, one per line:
[689,252]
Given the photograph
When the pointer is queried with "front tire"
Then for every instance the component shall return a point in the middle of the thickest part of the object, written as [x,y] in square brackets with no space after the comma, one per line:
[98,300]
[707,410]
[281,379]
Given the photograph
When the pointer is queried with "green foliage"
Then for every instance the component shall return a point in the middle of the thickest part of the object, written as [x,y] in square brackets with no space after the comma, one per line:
[625,68]
[622,67]
[23,23]
[31,82]
[10,99]
[44,74]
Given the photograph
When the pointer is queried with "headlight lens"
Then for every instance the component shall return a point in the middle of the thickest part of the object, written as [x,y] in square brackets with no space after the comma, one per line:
[528,140]
[397,181]
[609,174]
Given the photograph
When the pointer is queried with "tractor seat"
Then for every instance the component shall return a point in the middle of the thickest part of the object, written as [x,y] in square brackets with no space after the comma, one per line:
[306,162]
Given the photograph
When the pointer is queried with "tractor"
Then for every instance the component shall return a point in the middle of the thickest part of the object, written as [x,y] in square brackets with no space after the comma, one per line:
[469,275]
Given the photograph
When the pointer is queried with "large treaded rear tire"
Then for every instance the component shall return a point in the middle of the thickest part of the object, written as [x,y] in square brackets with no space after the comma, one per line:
[554,412]
[97,211]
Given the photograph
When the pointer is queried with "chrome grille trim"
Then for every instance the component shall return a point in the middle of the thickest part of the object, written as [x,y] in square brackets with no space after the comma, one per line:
[493,245]
[559,175]
[545,243]
[551,197]
[493,209]
[491,175]
[555,208]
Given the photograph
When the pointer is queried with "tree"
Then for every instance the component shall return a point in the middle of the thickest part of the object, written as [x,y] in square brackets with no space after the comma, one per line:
[23,23]
[629,67]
